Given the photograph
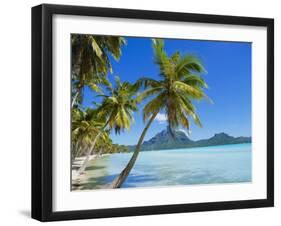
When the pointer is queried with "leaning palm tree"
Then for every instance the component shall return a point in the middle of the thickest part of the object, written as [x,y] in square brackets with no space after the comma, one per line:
[90,61]
[117,108]
[85,128]
[180,84]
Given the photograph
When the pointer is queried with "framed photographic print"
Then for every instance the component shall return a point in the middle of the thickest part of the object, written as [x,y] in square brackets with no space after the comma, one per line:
[144,112]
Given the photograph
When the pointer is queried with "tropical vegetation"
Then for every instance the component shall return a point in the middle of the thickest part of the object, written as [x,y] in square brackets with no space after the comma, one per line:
[179,84]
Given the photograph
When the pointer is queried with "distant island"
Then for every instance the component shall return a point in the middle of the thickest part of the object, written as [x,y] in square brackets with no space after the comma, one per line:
[164,140]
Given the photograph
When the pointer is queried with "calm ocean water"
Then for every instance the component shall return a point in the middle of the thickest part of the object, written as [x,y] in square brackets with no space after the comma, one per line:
[206,165]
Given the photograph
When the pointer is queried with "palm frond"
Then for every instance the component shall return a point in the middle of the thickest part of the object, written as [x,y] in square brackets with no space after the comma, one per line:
[195,80]
[154,105]
[192,91]
[148,93]
[189,64]
[162,59]
[148,82]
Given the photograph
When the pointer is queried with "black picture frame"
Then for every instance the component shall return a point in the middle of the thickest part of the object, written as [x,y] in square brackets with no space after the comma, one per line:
[42,111]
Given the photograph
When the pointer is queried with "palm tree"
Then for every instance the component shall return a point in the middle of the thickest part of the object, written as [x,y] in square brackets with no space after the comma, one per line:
[117,109]
[118,106]
[85,128]
[90,61]
[180,83]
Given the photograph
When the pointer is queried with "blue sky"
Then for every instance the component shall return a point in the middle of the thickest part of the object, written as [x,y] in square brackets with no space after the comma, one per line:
[228,76]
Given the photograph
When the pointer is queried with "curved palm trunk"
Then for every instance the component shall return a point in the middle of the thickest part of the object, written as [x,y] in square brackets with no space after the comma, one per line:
[76,95]
[75,151]
[88,154]
[74,98]
[117,183]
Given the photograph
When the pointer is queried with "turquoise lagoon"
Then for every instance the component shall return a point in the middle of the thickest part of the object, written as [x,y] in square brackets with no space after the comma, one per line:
[190,166]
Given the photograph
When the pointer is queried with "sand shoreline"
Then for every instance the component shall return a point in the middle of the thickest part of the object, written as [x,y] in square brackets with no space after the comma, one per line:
[77,163]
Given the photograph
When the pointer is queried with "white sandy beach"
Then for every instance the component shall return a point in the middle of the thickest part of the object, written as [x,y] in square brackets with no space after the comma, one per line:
[77,163]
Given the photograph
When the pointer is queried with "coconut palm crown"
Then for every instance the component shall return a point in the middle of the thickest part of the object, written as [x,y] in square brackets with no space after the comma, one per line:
[180,84]
[118,106]
[91,62]
[85,127]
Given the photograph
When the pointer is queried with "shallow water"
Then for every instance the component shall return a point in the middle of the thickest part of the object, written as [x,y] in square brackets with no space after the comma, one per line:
[205,165]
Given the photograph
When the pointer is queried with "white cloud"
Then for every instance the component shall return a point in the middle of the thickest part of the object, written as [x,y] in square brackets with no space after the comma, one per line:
[187,133]
[161,118]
